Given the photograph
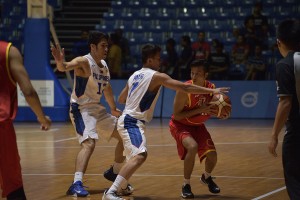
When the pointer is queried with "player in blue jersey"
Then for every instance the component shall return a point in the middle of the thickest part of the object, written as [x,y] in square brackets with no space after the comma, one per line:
[88,116]
[140,96]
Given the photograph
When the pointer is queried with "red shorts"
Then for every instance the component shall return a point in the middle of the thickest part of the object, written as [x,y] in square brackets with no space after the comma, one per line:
[10,168]
[199,133]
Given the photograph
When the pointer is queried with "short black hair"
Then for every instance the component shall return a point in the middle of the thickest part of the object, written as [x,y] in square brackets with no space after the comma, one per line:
[200,63]
[288,32]
[95,37]
[186,39]
[171,41]
[149,51]
[114,38]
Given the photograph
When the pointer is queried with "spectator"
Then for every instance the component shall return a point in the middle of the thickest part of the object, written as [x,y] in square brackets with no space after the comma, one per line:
[201,48]
[239,57]
[169,62]
[214,44]
[114,57]
[240,51]
[260,21]
[219,63]
[249,33]
[261,25]
[256,66]
[124,44]
[185,58]
[81,47]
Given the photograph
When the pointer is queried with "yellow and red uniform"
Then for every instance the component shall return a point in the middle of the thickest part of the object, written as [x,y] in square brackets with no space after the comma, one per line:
[193,126]
[10,168]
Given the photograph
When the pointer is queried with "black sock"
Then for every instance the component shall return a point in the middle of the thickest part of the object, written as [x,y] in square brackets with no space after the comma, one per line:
[18,194]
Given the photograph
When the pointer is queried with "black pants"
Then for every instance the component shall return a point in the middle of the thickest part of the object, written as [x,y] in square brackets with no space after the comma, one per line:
[291,166]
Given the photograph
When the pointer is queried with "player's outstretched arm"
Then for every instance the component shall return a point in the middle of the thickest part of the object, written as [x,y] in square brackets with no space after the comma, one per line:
[168,82]
[20,75]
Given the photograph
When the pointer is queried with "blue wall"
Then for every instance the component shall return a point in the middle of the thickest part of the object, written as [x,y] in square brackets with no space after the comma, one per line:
[37,64]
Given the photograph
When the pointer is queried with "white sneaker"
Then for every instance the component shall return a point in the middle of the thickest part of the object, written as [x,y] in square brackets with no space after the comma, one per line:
[127,191]
[111,196]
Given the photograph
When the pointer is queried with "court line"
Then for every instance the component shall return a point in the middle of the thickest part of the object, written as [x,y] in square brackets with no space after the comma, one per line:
[149,145]
[163,175]
[37,131]
[270,193]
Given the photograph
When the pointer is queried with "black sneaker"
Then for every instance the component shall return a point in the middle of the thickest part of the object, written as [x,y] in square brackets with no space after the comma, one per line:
[212,186]
[110,175]
[187,192]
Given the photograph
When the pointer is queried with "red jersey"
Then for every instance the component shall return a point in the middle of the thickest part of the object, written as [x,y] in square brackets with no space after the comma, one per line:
[196,100]
[200,49]
[8,87]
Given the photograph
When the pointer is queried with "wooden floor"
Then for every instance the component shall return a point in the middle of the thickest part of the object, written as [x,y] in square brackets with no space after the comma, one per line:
[245,169]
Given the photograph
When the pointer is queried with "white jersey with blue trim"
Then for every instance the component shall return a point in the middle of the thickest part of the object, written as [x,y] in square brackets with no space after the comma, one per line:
[140,103]
[89,89]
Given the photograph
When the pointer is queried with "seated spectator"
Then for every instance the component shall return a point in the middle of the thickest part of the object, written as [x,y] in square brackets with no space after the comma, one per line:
[240,51]
[239,57]
[81,47]
[114,57]
[168,64]
[201,48]
[235,32]
[185,58]
[256,66]
[124,44]
[249,33]
[219,63]
[214,44]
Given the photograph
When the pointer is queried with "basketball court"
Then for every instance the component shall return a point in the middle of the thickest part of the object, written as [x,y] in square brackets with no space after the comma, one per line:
[245,169]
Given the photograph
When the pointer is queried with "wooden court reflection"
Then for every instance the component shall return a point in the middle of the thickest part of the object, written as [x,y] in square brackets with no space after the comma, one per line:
[245,169]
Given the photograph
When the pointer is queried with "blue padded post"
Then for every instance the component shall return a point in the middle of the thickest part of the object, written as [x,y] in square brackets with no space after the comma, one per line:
[37,63]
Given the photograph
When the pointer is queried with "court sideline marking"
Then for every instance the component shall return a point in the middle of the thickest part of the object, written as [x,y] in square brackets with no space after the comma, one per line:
[270,193]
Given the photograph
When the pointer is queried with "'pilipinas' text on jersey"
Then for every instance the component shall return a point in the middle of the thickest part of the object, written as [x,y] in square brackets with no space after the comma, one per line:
[90,89]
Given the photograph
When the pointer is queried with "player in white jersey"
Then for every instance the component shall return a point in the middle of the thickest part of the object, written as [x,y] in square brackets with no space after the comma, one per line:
[140,95]
[88,116]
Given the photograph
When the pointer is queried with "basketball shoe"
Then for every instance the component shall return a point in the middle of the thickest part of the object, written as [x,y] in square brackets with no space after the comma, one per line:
[111,196]
[212,186]
[77,189]
[111,176]
[187,192]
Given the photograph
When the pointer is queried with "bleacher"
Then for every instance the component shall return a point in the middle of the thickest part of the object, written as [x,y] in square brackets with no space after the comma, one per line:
[13,15]
[156,20]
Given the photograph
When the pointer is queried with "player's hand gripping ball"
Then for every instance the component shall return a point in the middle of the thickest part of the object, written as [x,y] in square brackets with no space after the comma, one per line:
[223,105]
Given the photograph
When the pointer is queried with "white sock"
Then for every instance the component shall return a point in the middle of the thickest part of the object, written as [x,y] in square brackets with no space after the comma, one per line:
[117,167]
[78,176]
[117,185]
[186,181]
[206,174]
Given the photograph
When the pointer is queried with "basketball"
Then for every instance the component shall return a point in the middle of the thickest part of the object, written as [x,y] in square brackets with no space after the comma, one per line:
[222,103]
